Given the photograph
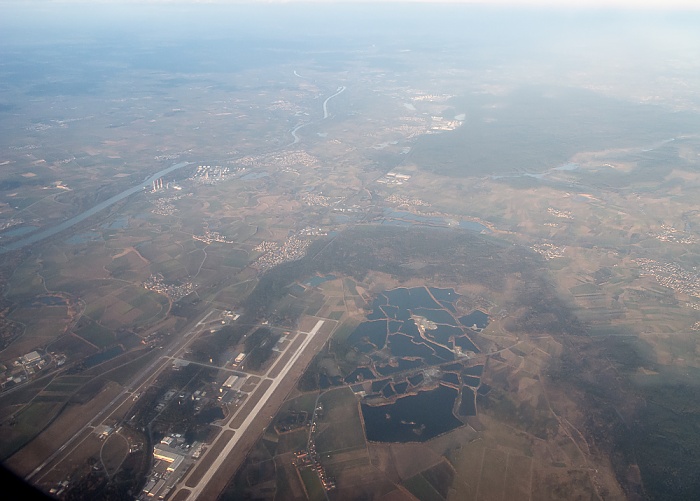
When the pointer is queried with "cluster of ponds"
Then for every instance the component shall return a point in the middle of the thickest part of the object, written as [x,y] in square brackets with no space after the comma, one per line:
[422,387]
[393,325]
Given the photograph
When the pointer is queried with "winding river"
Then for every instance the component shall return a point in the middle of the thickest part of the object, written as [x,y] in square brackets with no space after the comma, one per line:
[325,103]
[48,232]
[325,114]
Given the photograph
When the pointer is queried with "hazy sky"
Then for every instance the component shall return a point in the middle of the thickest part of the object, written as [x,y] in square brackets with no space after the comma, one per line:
[631,4]
[550,3]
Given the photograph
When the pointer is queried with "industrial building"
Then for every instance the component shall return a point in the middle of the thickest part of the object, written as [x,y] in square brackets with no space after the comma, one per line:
[31,358]
[230,382]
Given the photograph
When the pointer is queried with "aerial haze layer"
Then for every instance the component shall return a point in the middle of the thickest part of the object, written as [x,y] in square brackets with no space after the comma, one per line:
[399,250]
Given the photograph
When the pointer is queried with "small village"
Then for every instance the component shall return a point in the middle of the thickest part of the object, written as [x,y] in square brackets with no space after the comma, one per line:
[549,251]
[175,292]
[309,457]
[563,214]
[404,201]
[670,234]
[315,199]
[292,249]
[672,276]
[210,237]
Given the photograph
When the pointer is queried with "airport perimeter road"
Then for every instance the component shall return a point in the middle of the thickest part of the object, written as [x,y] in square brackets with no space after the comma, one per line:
[252,418]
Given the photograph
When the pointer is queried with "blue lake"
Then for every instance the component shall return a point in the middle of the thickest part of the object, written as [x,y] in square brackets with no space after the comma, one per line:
[478,318]
[318,280]
[467,406]
[413,418]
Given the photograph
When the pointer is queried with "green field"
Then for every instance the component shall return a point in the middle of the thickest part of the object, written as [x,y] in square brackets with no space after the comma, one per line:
[421,488]
[96,334]
[340,428]
[27,424]
[312,484]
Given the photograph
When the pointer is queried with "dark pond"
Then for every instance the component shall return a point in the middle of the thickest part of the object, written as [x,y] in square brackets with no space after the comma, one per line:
[441,352]
[451,377]
[478,318]
[401,387]
[374,331]
[365,347]
[416,380]
[471,380]
[484,389]
[388,391]
[378,385]
[377,314]
[443,333]
[421,298]
[409,328]
[475,370]
[413,418]
[397,297]
[466,344]
[467,406]
[395,312]
[50,301]
[452,367]
[394,326]
[444,295]
[402,345]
